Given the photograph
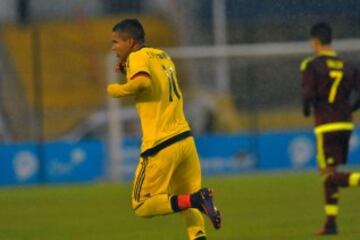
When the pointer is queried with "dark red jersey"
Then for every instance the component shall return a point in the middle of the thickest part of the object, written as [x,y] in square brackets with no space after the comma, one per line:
[327,84]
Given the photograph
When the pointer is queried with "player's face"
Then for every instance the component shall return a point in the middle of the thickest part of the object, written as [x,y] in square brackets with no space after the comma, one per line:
[314,44]
[121,46]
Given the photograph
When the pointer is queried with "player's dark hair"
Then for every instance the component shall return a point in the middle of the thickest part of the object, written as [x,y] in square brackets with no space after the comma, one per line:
[322,31]
[132,28]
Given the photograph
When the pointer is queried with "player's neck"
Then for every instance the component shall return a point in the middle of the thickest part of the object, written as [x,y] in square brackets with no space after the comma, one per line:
[137,47]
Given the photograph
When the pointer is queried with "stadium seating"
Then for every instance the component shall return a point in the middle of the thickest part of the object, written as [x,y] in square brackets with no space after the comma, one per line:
[72,65]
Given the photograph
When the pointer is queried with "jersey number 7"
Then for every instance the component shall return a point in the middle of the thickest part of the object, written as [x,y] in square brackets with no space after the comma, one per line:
[337,76]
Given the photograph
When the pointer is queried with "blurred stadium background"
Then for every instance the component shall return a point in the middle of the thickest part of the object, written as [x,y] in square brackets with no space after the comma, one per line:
[238,65]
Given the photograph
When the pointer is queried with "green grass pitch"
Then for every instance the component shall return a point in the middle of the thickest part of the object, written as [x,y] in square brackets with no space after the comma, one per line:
[279,206]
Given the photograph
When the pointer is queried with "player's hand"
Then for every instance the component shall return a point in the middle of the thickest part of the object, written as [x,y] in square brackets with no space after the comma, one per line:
[120,67]
[307,112]
[356,105]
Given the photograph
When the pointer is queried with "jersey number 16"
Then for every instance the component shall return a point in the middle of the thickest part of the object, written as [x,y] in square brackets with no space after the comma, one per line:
[172,84]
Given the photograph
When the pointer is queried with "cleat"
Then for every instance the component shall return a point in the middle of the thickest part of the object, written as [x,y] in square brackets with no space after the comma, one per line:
[200,238]
[207,207]
[326,231]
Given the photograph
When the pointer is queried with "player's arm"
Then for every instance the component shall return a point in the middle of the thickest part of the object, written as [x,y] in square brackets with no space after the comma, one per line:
[356,104]
[308,88]
[139,82]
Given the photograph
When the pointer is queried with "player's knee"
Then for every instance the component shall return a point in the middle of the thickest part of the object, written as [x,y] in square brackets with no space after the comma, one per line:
[328,178]
[140,210]
[327,171]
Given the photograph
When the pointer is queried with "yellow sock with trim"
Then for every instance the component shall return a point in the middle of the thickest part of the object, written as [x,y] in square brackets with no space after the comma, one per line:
[331,209]
[354,179]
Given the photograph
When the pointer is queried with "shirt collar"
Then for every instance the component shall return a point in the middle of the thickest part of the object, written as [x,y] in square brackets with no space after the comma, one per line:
[327,53]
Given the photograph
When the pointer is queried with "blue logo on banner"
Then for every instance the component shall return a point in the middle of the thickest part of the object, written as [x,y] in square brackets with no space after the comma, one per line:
[66,162]
[19,164]
[25,165]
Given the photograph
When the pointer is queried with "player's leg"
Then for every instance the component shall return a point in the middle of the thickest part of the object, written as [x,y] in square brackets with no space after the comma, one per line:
[331,192]
[338,147]
[335,153]
[187,180]
[151,185]
[327,167]
[185,187]
[150,191]
[349,179]
[194,224]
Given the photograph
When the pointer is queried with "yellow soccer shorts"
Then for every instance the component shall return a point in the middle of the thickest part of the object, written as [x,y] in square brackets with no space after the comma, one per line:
[172,171]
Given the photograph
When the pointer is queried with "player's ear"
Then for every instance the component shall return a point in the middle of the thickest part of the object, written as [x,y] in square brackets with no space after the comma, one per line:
[132,42]
[317,42]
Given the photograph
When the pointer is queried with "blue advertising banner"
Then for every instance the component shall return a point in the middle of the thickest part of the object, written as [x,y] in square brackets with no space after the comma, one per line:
[219,154]
[131,155]
[287,150]
[354,149]
[67,162]
[222,154]
[63,162]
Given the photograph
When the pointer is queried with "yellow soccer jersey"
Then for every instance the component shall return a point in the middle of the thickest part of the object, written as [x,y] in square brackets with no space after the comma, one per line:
[160,107]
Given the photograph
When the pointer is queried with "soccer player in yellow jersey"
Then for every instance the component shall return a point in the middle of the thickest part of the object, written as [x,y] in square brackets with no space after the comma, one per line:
[168,176]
